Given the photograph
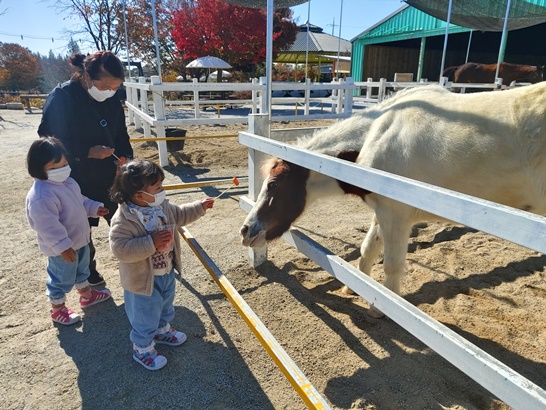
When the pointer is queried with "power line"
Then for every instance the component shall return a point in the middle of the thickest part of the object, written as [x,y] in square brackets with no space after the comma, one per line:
[23,36]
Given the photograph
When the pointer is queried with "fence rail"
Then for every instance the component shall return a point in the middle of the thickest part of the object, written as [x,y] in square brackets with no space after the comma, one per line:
[511,224]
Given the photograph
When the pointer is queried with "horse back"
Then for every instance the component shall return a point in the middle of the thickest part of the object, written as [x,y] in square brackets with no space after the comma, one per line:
[489,145]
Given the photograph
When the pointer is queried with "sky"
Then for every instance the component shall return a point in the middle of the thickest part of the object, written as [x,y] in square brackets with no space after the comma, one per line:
[34,23]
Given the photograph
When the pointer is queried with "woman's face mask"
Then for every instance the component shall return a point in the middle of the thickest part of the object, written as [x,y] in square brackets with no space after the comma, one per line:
[59,174]
[100,95]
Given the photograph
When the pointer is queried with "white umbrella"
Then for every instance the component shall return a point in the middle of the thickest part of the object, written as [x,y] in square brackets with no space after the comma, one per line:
[208,62]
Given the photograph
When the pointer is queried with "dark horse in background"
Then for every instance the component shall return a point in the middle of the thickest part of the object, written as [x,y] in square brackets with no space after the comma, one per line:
[485,73]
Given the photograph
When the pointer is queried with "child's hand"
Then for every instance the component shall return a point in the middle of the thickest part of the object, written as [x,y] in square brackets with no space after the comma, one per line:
[102,211]
[207,203]
[162,238]
[69,255]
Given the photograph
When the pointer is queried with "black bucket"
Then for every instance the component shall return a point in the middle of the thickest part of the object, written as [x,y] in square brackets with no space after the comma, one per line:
[173,146]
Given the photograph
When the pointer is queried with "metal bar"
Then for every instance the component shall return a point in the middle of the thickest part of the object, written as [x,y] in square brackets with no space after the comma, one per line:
[294,375]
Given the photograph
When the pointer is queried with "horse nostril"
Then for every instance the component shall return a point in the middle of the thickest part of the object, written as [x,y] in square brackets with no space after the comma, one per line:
[244,230]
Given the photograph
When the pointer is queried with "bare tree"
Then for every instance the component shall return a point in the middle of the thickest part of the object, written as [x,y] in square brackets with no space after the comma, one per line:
[99,21]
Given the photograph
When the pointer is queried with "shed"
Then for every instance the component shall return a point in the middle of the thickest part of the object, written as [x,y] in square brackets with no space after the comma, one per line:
[412,41]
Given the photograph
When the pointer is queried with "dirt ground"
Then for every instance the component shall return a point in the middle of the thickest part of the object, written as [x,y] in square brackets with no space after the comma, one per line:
[488,290]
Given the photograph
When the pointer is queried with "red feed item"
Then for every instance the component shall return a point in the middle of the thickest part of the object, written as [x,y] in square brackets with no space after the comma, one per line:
[235,181]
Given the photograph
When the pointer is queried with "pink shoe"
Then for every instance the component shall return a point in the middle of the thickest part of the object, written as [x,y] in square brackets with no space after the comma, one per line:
[65,316]
[97,296]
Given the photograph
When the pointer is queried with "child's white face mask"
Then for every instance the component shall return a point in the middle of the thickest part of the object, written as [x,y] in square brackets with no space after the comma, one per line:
[59,174]
[158,198]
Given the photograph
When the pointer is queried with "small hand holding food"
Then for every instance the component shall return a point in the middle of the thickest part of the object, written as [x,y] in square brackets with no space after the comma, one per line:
[102,211]
[162,238]
[207,203]
[69,255]
[100,152]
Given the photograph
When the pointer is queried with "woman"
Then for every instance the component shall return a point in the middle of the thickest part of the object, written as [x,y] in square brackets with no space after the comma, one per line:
[84,114]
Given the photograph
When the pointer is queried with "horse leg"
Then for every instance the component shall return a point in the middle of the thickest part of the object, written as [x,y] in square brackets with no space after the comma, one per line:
[369,251]
[395,228]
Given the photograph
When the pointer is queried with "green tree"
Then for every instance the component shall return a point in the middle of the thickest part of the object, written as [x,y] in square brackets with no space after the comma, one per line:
[19,68]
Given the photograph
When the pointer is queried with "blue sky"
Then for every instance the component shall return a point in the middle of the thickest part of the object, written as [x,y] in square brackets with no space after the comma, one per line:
[37,22]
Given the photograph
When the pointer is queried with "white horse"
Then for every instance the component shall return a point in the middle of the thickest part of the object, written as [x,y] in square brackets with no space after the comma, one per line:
[490,145]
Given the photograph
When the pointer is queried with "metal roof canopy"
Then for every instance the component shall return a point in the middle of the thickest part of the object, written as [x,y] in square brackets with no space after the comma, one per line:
[486,15]
[480,13]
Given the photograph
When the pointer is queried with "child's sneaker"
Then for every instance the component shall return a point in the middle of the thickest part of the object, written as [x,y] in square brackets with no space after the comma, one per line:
[171,338]
[150,360]
[97,296]
[65,316]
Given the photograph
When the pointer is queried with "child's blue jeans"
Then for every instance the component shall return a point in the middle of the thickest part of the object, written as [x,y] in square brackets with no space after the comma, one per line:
[148,313]
[63,275]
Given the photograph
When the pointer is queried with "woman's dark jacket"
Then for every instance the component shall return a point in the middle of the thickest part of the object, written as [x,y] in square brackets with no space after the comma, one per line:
[80,122]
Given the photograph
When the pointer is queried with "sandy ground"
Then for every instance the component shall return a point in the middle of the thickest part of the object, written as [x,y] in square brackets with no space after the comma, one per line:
[490,291]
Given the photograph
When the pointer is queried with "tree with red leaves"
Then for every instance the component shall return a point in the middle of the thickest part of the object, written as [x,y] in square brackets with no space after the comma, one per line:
[233,33]
[19,68]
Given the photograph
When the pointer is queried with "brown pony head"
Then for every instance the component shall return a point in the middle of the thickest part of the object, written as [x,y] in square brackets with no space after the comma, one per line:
[280,202]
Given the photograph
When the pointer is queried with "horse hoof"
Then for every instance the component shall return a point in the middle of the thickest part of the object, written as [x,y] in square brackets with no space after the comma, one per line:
[375,313]
[347,291]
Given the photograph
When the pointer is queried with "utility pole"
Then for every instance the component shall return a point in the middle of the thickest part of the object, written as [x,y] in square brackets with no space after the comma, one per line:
[334,25]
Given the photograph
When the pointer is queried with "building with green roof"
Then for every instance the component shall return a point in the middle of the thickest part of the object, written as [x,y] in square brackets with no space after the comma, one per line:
[411,41]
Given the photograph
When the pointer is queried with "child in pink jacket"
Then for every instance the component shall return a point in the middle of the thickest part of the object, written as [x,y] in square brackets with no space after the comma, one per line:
[58,212]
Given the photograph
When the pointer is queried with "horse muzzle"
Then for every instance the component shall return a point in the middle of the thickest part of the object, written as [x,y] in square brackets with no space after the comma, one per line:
[255,238]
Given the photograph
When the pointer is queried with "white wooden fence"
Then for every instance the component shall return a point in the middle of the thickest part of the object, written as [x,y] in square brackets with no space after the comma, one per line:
[147,106]
[146,103]
[517,226]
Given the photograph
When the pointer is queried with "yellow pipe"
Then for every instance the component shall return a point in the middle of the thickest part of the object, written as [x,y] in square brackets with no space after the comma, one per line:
[299,381]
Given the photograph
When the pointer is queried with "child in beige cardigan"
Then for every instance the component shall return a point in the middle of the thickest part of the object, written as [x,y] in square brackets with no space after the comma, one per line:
[148,254]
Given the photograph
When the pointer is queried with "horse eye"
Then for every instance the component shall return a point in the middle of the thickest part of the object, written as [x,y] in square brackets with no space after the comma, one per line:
[272,185]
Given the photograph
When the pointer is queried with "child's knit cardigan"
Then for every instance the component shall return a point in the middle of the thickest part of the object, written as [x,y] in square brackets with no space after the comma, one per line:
[133,245]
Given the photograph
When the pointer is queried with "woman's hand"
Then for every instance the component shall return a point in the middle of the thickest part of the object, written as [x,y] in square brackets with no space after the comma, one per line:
[100,152]
[69,255]
[207,203]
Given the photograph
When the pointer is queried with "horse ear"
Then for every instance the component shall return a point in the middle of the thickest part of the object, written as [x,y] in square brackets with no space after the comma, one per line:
[350,156]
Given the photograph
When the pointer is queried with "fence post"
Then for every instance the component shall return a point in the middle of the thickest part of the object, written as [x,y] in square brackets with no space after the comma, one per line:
[382,89]
[369,89]
[498,84]
[257,124]
[136,99]
[340,97]
[254,97]
[334,97]
[307,96]
[159,111]
[144,107]
[348,105]
[197,114]
[262,104]
[130,100]
[443,81]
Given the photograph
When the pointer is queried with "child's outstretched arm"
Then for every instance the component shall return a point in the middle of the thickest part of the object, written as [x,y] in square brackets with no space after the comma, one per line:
[188,213]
